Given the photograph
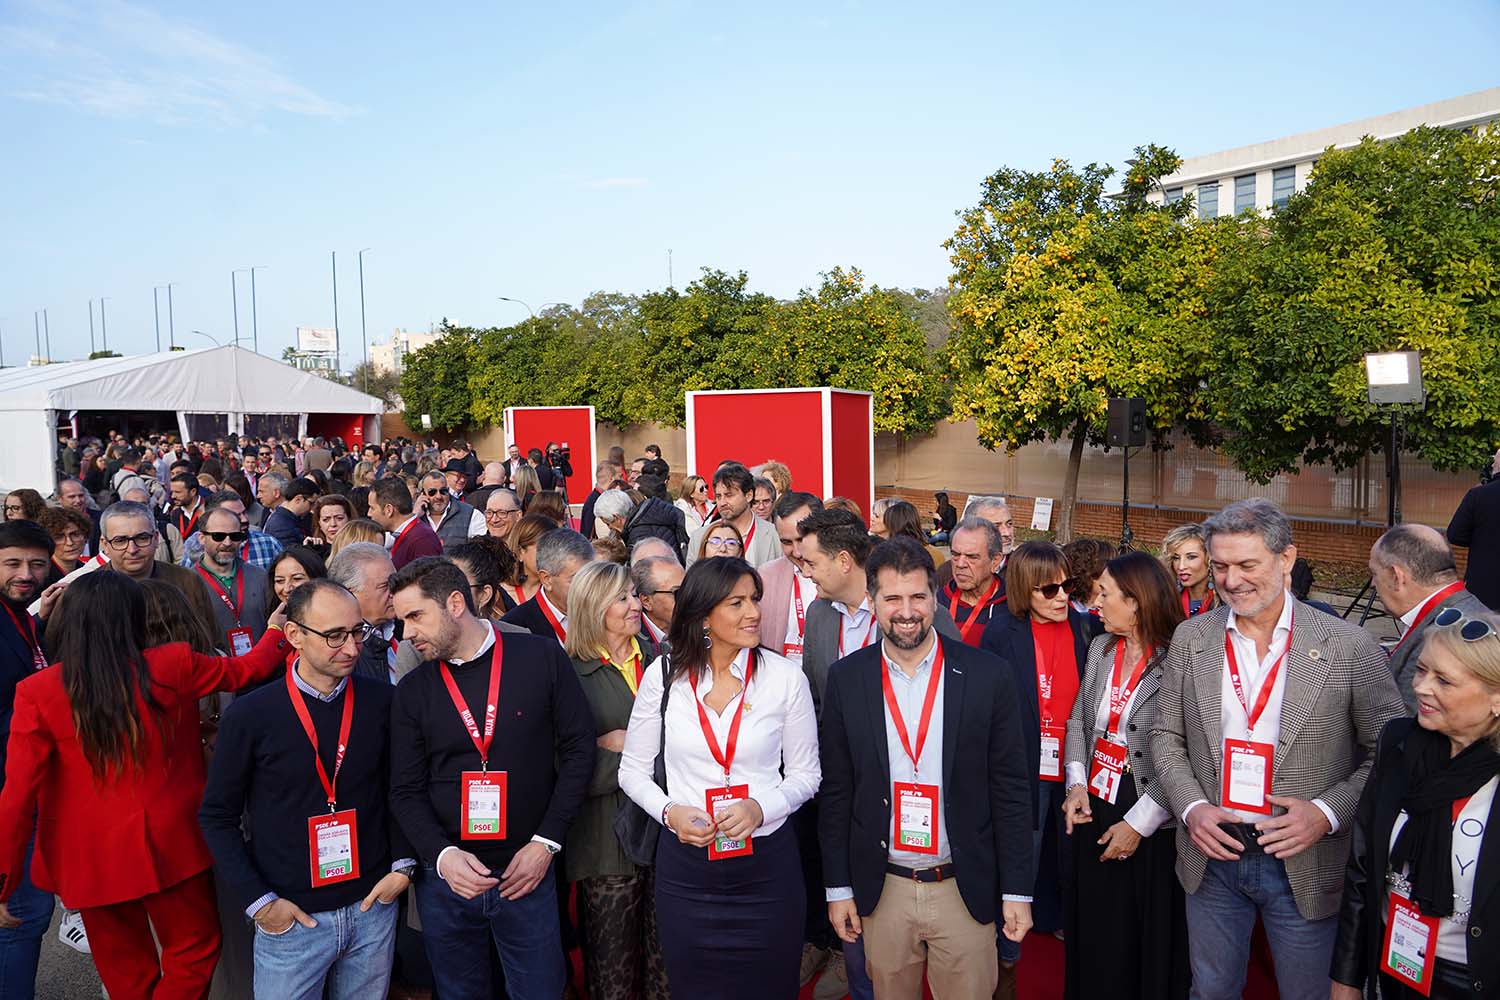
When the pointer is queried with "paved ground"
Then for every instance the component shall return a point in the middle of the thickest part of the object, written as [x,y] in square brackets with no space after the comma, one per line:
[64,973]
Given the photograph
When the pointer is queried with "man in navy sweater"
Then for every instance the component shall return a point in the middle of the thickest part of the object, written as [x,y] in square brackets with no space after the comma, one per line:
[307,760]
[492,749]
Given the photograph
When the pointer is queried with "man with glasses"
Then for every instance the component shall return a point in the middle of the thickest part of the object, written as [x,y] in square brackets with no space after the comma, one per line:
[260,549]
[450,518]
[239,588]
[364,569]
[305,761]
[70,493]
[657,580]
[290,523]
[501,512]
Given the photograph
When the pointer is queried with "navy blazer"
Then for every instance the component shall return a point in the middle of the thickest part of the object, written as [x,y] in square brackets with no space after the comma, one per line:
[531,617]
[985,783]
[15,666]
[1009,638]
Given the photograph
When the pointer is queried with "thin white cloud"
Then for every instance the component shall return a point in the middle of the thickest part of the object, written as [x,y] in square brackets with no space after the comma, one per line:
[605,183]
[123,60]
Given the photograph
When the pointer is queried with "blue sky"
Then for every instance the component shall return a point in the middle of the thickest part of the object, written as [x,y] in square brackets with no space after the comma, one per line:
[546,151]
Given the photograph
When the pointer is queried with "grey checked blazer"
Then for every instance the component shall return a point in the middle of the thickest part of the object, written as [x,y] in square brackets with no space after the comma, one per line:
[1085,726]
[1339,695]
[1404,656]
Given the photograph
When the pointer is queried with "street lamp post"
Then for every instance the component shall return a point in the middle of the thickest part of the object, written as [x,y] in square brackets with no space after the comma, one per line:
[171,321]
[213,339]
[335,255]
[156,311]
[36,323]
[47,335]
[254,322]
[91,327]
[234,299]
[364,339]
[103,324]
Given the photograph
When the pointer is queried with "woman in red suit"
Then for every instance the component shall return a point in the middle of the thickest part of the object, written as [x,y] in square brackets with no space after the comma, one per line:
[104,750]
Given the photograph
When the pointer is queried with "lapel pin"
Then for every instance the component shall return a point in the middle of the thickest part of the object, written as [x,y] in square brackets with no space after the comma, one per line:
[1314,654]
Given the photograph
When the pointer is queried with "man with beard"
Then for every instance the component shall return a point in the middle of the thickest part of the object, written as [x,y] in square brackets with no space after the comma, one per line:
[958,811]
[239,588]
[485,805]
[25,554]
[734,488]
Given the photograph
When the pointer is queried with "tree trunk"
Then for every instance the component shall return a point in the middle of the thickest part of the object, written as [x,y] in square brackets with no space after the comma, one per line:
[1070,485]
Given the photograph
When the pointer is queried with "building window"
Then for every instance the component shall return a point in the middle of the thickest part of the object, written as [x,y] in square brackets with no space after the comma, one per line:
[1244,193]
[1208,200]
[1283,183]
[1174,195]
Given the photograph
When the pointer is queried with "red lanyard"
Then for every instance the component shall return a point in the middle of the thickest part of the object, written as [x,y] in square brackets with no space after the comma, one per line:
[1120,697]
[972,621]
[926,720]
[1428,607]
[28,634]
[1459,804]
[239,591]
[801,611]
[1187,604]
[637,666]
[409,525]
[481,743]
[725,757]
[1253,714]
[520,595]
[187,529]
[312,734]
[749,537]
[869,634]
[553,620]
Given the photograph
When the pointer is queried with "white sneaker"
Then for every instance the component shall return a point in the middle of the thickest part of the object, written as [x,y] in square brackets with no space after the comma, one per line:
[71,933]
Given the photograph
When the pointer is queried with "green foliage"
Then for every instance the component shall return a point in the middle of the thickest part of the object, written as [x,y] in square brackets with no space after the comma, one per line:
[435,381]
[1392,246]
[105,354]
[382,384]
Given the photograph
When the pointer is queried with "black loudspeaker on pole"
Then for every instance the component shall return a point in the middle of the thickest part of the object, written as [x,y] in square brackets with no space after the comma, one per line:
[1127,429]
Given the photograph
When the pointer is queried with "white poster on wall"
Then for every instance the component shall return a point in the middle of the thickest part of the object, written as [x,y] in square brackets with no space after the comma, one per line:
[1041,514]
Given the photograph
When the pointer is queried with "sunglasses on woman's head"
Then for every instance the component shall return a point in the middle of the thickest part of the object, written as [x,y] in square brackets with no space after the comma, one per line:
[1472,630]
[1049,590]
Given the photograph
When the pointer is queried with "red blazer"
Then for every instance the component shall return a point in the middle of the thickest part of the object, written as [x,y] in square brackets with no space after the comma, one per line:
[136,832]
[420,541]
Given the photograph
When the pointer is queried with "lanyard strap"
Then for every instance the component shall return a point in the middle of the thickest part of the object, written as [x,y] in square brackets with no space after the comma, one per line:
[312,734]
[637,664]
[1428,608]
[972,621]
[187,529]
[925,722]
[749,537]
[797,606]
[1253,714]
[1120,697]
[409,525]
[28,634]
[553,620]
[1459,806]
[1187,604]
[725,757]
[239,590]
[481,742]
[869,633]
[1046,677]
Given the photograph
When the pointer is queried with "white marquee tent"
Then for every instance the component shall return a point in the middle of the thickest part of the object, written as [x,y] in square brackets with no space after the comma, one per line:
[202,394]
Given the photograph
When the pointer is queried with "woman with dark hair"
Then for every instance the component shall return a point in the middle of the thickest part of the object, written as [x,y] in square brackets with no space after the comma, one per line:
[526,579]
[1124,854]
[70,534]
[901,518]
[550,503]
[735,726]
[170,618]
[23,505]
[477,560]
[329,515]
[1086,560]
[291,569]
[104,749]
[944,521]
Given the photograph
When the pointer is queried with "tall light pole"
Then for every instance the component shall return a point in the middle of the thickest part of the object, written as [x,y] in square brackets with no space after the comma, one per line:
[364,340]
[156,311]
[91,327]
[506,298]
[234,298]
[254,322]
[171,322]
[335,255]
[103,324]
[36,323]
[47,335]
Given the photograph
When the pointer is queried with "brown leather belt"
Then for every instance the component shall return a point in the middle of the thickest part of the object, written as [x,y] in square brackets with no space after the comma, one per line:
[937,873]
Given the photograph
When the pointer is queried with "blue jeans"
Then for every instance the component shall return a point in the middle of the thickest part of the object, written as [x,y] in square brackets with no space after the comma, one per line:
[21,948]
[860,986]
[457,932]
[353,951]
[1222,917]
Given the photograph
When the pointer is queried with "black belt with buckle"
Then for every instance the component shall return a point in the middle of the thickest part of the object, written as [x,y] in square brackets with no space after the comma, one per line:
[937,873]
[1247,835]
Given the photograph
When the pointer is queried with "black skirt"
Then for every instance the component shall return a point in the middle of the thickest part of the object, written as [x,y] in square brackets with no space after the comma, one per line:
[1127,926]
[732,928]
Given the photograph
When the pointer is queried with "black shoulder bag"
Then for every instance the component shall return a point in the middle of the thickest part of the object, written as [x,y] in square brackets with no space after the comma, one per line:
[637,831]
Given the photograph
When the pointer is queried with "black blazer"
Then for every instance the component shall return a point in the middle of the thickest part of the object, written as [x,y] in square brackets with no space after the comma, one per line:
[1476,526]
[985,784]
[1356,952]
[1009,638]
[530,617]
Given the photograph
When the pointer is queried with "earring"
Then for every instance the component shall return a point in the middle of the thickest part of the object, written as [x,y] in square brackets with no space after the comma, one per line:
[707,639]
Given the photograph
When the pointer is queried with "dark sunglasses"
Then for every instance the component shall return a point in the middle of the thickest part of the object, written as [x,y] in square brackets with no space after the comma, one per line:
[1473,629]
[227,536]
[434,493]
[1049,590]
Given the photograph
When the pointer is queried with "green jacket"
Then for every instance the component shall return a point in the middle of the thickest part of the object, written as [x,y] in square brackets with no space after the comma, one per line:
[593,849]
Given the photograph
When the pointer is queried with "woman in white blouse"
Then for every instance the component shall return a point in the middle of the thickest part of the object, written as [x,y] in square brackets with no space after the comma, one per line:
[741,752]
[694,502]
[1126,925]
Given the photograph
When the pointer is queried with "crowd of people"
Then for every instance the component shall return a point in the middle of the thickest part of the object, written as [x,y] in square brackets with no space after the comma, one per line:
[269,709]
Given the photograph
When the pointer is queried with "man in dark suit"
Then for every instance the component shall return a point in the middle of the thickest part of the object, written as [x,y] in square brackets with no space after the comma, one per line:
[1413,571]
[1476,527]
[560,553]
[924,811]
[290,523]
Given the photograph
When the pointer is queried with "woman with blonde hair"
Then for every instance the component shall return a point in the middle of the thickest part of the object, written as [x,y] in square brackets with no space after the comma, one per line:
[1421,855]
[693,500]
[1185,553]
[779,475]
[621,947]
[525,485]
[361,529]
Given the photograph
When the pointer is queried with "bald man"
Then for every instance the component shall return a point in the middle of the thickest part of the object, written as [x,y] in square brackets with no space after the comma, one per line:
[1414,573]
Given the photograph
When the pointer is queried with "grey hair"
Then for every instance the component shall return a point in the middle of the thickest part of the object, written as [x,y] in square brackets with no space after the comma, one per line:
[277,480]
[498,491]
[651,541]
[560,546]
[612,503]
[977,504]
[126,508]
[346,568]
[643,574]
[1423,551]
[1256,516]
[878,508]
[993,543]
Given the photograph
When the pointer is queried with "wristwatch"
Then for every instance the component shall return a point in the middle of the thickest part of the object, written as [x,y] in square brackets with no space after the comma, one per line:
[552,849]
[409,870]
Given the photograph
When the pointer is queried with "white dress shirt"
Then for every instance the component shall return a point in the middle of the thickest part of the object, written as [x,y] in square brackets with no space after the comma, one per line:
[1468,838]
[476,521]
[1253,670]
[778,732]
[1146,816]
[561,616]
[390,536]
[796,631]
[1407,620]
[856,627]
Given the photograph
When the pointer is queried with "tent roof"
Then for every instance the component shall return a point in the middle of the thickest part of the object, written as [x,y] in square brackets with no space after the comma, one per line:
[210,379]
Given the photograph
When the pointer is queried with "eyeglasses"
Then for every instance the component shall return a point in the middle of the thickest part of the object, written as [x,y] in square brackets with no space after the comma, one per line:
[72,536]
[13,508]
[1473,629]
[1049,590]
[336,637]
[227,536]
[507,512]
[140,541]
[723,543]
